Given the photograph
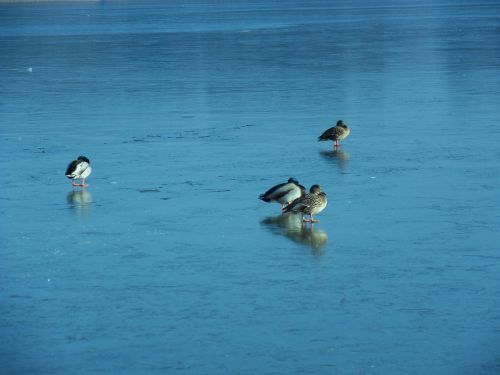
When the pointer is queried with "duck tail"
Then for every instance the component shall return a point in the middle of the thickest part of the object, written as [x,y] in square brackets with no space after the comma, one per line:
[323,137]
[263,197]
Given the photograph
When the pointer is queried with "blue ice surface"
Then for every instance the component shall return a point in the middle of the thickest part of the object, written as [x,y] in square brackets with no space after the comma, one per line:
[169,264]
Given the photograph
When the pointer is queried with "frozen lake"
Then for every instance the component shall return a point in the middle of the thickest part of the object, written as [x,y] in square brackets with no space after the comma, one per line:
[169,264]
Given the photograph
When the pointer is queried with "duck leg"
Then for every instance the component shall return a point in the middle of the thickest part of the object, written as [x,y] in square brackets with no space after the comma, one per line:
[81,185]
[310,220]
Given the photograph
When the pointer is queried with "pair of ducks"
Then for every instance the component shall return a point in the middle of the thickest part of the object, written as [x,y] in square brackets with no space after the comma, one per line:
[293,197]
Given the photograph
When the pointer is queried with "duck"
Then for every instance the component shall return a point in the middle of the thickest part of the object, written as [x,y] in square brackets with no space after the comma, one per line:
[310,204]
[79,169]
[337,133]
[284,193]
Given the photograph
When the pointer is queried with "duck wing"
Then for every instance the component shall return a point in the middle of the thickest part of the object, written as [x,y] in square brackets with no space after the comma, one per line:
[300,204]
[330,134]
[277,192]
[76,168]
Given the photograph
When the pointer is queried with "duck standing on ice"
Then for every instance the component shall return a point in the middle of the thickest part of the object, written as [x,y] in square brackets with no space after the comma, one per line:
[79,169]
[310,204]
[338,133]
[284,193]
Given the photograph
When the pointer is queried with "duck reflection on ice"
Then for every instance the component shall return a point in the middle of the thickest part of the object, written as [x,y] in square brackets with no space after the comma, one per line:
[291,225]
[80,200]
[341,158]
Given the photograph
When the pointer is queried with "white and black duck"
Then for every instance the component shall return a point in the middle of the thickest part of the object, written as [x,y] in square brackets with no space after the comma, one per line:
[79,169]
[310,204]
[284,193]
[337,133]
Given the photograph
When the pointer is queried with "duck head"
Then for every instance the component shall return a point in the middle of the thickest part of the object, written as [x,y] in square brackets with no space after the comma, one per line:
[342,124]
[315,189]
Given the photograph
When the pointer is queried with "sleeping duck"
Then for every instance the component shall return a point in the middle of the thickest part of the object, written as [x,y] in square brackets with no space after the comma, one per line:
[79,169]
[284,193]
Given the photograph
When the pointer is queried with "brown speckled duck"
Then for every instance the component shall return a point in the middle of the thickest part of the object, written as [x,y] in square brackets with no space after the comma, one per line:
[335,134]
[310,204]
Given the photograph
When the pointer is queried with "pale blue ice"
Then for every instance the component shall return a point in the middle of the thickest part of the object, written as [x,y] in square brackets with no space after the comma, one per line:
[169,264]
